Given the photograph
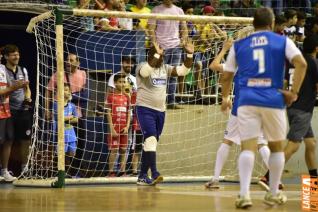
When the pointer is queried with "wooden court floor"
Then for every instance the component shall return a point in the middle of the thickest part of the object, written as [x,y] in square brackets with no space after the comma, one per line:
[165,197]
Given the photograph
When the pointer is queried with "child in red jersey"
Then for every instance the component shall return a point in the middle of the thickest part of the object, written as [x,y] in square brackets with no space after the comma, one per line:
[118,117]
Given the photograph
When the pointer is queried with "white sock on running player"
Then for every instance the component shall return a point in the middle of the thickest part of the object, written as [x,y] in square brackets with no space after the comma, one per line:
[221,156]
[246,163]
[276,165]
[265,153]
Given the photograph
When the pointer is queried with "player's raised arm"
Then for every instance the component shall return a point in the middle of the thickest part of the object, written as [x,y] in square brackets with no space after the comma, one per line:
[216,63]
[155,60]
[295,57]
[184,69]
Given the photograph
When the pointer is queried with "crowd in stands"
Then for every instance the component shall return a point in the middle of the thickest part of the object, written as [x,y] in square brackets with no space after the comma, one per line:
[242,8]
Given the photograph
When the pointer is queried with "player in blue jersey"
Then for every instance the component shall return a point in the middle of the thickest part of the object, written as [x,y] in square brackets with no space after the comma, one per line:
[259,61]
[231,133]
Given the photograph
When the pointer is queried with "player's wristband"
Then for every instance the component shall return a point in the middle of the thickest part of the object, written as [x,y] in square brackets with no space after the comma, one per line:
[189,55]
[156,55]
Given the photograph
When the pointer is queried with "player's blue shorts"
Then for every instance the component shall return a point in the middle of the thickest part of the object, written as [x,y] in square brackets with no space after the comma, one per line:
[151,121]
[70,146]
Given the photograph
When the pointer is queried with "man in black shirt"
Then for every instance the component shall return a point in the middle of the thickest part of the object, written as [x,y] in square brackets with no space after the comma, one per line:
[301,111]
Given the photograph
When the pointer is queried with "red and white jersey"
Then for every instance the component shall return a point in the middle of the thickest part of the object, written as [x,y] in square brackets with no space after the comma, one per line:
[119,105]
[4,100]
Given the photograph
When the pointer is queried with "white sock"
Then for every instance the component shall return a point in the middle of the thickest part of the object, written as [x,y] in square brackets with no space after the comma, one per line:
[276,164]
[4,170]
[265,153]
[221,156]
[246,163]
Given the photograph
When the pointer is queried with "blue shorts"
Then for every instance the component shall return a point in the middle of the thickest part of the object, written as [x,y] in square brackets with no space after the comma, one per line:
[151,121]
[201,57]
[70,146]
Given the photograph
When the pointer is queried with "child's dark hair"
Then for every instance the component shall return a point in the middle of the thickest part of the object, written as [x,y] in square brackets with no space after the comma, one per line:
[290,13]
[301,15]
[9,48]
[186,6]
[280,19]
[119,76]
[66,84]
[128,59]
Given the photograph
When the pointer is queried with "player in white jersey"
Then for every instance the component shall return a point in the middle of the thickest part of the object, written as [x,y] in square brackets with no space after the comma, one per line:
[152,79]
[231,134]
[258,61]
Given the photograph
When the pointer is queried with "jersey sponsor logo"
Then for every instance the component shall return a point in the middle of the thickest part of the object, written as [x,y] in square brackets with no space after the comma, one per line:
[259,41]
[158,81]
[121,109]
[262,82]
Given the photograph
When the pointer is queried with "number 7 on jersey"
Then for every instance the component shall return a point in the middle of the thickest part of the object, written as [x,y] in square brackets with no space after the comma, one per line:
[258,55]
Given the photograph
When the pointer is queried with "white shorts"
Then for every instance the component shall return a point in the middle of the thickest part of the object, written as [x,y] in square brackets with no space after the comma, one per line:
[253,120]
[232,132]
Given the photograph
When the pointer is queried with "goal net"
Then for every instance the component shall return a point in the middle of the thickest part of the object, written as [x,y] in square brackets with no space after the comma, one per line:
[191,135]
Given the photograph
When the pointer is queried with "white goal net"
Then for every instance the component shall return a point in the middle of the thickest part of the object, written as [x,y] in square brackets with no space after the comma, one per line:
[194,125]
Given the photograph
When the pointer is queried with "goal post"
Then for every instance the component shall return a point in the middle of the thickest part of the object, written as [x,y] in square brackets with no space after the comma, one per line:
[191,136]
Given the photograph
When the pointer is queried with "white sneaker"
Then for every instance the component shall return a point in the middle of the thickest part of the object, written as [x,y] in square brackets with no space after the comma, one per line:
[8,177]
[1,178]
[243,202]
[272,200]
[212,184]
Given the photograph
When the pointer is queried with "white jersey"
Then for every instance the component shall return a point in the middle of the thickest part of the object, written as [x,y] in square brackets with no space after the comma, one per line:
[151,90]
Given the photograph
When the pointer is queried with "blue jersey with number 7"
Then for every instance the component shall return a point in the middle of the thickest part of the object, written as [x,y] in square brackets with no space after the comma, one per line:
[260,59]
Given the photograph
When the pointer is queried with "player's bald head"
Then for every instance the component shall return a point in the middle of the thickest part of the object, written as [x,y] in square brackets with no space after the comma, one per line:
[263,18]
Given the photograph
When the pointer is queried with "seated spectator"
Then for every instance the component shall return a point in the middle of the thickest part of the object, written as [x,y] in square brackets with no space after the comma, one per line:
[291,17]
[300,26]
[70,117]
[280,24]
[244,8]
